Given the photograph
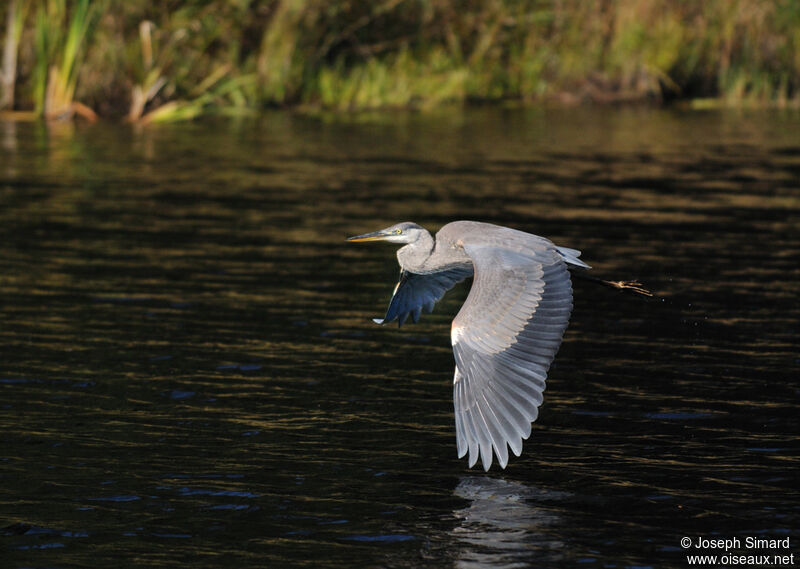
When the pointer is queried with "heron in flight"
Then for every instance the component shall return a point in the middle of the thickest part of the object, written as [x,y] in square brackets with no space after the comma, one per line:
[507,332]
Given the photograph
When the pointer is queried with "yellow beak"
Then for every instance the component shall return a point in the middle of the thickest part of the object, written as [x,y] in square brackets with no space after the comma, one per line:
[374,236]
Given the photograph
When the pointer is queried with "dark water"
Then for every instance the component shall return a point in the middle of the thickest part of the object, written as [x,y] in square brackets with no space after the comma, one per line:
[189,375]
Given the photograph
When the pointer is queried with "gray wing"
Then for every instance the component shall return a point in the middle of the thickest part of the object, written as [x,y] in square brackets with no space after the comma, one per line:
[415,292]
[504,339]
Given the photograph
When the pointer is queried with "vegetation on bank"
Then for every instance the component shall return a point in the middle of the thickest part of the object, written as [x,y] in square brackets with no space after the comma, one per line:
[148,61]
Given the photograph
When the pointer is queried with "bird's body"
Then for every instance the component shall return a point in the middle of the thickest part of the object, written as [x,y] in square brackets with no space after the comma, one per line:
[507,332]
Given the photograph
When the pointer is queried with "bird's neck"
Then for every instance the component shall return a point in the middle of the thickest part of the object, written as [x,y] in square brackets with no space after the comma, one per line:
[413,257]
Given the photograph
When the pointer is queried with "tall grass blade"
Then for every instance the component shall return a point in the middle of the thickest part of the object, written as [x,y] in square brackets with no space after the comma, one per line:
[59,49]
[17,10]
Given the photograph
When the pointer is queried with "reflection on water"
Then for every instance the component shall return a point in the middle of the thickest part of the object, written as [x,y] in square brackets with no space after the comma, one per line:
[502,527]
[189,372]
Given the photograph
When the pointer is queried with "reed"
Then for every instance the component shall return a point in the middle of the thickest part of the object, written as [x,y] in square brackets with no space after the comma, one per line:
[59,51]
[401,80]
[136,58]
[217,94]
[220,91]
[17,10]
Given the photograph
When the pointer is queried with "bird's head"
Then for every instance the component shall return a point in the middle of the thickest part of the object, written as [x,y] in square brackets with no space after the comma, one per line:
[406,232]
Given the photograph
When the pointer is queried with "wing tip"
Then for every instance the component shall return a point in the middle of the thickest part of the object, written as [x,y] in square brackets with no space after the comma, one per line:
[571,257]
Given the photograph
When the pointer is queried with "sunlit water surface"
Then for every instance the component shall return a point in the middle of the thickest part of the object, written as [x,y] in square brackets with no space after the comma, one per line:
[189,374]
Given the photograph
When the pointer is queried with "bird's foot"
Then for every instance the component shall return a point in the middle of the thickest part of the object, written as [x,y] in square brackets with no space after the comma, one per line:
[634,286]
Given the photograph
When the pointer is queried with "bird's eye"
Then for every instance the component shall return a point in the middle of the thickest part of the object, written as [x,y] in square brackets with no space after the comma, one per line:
[398,231]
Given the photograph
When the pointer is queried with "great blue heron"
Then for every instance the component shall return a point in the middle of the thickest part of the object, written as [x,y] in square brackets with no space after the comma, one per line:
[507,332]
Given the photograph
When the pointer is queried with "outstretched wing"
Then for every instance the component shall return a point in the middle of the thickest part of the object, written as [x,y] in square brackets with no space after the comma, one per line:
[415,292]
[504,339]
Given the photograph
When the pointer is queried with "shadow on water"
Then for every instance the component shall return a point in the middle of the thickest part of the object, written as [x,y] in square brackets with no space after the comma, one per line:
[189,373]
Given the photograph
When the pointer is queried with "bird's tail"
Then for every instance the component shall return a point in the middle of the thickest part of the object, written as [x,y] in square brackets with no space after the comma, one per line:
[571,257]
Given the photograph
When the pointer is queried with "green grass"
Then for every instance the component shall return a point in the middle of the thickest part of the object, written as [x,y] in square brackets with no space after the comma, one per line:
[396,81]
[17,11]
[138,60]
[60,33]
